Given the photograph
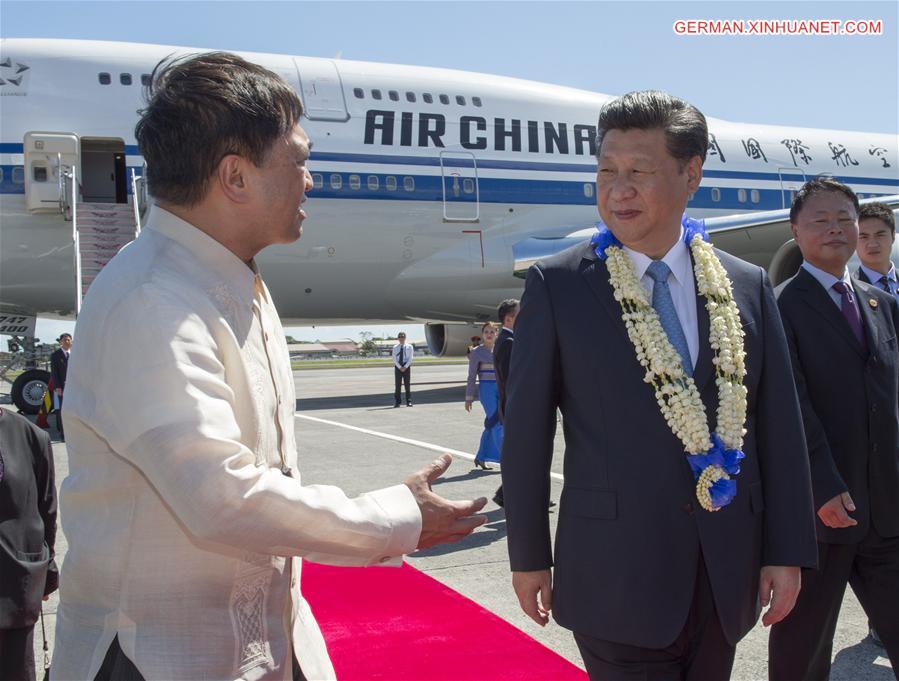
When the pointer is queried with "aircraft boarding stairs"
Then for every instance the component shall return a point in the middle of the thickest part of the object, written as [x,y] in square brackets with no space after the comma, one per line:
[99,231]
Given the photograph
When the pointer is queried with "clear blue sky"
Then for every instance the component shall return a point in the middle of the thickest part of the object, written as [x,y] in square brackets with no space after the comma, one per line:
[841,82]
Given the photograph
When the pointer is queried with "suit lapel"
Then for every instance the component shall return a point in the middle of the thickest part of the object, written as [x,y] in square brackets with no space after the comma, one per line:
[868,315]
[596,275]
[819,300]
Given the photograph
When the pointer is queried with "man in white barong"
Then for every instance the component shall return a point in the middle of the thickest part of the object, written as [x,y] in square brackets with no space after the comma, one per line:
[183,508]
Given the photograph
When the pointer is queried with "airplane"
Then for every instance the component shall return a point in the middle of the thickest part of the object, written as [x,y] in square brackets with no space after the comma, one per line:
[433,189]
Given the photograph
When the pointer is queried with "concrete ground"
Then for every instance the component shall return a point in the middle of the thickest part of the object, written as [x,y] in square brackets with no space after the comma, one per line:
[345,419]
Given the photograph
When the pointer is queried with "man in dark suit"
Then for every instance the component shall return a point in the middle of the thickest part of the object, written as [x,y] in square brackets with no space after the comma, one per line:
[502,357]
[652,584]
[59,365]
[842,337]
[876,236]
[27,535]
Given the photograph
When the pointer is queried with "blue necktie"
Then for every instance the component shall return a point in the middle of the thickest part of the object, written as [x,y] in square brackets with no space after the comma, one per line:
[888,285]
[664,306]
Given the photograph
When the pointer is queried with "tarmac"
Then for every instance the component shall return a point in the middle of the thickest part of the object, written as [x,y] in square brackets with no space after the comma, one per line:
[350,435]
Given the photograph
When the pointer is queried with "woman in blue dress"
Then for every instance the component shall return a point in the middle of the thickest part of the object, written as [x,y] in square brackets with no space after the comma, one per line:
[480,366]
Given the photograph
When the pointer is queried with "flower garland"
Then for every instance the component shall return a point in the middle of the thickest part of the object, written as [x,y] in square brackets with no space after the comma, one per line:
[713,457]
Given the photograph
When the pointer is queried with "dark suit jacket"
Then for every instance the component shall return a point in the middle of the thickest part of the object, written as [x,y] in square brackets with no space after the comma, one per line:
[502,356]
[849,401]
[28,515]
[630,529]
[59,365]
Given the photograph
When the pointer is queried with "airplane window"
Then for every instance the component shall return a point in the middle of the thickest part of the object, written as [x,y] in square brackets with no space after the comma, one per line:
[317,181]
[105,78]
[741,195]
[755,196]
[336,181]
[146,79]
[410,96]
[376,94]
[444,99]
[409,183]
[125,78]
[358,93]
[428,98]
[39,173]
[460,100]
[476,101]
[716,194]
[390,183]
[355,182]
[373,183]
[588,189]
[394,96]
[468,185]
[18,175]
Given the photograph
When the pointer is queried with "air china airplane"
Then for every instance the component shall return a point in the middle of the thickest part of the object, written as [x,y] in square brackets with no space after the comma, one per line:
[433,188]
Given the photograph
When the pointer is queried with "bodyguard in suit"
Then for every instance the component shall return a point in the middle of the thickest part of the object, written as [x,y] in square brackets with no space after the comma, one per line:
[876,236]
[842,338]
[502,357]
[662,561]
[59,366]
[27,535]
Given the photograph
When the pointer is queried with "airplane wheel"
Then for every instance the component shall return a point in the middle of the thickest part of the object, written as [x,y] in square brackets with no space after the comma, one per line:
[28,390]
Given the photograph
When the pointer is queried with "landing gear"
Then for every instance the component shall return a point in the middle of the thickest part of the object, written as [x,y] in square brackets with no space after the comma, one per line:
[28,390]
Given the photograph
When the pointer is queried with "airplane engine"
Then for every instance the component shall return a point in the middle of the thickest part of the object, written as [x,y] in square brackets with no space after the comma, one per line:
[450,340]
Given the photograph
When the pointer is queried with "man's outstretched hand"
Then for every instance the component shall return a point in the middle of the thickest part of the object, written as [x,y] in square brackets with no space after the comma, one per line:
[442,520]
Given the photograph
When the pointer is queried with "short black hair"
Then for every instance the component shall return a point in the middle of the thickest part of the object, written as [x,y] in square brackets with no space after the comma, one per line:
[819,185]
[63,335]
[201,108]
[878,210]
[686,130]
[506,307]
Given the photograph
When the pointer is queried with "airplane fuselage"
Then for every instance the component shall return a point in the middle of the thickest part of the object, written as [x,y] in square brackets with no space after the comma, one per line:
[424,178]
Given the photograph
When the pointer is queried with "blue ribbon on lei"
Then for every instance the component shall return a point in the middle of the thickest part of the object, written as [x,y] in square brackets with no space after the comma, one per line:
[721,491]
[603,238]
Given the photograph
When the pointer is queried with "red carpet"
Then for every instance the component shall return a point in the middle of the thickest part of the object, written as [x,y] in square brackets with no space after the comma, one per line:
[388,623]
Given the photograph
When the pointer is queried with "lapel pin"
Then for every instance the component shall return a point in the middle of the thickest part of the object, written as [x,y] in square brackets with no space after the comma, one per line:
[872,302]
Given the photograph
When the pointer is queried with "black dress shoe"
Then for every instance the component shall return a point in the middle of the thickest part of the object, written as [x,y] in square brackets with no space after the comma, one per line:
[875,639]
[408,403]
[498,498]
[482,464]
[396,406]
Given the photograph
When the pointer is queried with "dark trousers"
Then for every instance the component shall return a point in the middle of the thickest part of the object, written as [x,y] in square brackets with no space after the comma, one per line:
[404,378]
[62,432]
[699,653]
[17,654]
[801,646]
[117,667]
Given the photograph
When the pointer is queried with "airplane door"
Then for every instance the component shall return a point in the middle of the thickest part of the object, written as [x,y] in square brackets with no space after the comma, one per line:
[791,180]
[45,152]
[321,90]
[461,199]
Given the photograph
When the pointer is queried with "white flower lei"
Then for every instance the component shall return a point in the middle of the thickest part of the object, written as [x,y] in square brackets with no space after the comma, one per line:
[675,391]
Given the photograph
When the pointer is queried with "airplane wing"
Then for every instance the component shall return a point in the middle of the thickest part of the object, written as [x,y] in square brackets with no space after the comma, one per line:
[762,238]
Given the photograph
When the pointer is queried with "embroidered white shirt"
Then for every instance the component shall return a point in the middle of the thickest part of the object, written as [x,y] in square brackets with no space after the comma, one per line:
[183,531]
[682,286]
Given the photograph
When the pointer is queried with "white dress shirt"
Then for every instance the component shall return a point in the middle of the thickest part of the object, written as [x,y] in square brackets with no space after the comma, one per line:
[682,284]
[827,280]
[402,355]
[183,531]
[874,277]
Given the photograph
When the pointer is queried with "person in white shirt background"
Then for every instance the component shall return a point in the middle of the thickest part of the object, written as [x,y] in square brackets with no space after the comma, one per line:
[876,235]
[402,368]
[184,509]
